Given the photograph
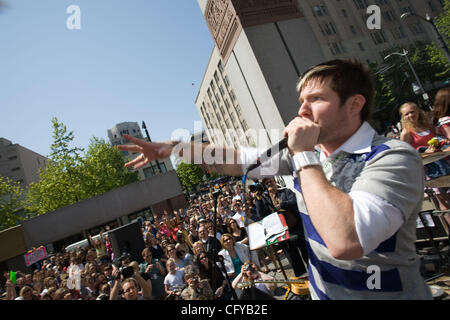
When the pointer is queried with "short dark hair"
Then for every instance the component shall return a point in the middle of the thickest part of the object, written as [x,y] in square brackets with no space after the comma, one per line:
[346,78]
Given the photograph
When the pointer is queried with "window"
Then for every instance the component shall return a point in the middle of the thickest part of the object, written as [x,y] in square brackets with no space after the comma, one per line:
[212,85]
[344,13]
[319,11]
[361,47]
[14,157]
[378,37]
[216,77]
[217,97]
[148,172]
[15,169]
[352,29]
[220,66]
[389,15]
[244,125]
[398,33]
[360,4]
[209,93]
[232,96]
[162,165]
[222,91]
[226,81]
[238,110]
[227,104]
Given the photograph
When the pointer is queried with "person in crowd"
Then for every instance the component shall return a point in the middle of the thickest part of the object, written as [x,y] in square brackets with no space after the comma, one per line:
[210,243]
[368,195]
[197,289]
[239,233]
[156,273]
[182,243]
[240,215]
[441,119]
[208,271]
[198,247]
[441,112]
[193,235]
[210,228]
[250,275]
[173,281]
[130,287]
[171,252]
[417,131]
[417,128]
[100,248]
[234,255]
[62,294]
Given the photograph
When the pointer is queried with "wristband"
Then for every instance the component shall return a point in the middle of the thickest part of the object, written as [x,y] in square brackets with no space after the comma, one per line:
[305,159]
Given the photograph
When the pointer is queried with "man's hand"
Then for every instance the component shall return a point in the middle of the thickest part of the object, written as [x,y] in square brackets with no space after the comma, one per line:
[149,151]
[302,133]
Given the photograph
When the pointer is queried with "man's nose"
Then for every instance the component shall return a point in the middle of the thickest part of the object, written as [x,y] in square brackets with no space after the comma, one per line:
[304,109]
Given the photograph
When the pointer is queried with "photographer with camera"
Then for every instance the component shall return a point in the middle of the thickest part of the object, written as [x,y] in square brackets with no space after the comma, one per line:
[128,281]
[197,289]
[249,277]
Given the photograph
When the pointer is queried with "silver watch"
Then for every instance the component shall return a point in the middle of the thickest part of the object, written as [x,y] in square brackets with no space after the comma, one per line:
[304,159]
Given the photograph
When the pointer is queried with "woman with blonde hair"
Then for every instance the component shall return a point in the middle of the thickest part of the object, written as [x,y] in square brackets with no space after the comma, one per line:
[417,130]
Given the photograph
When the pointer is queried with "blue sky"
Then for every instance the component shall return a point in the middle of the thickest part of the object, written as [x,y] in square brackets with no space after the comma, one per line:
[130,61]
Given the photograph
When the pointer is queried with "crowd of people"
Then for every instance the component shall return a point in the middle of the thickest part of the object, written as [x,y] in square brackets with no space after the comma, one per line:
[183,257]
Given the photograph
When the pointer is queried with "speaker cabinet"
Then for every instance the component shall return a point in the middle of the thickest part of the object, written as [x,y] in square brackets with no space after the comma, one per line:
[128,238]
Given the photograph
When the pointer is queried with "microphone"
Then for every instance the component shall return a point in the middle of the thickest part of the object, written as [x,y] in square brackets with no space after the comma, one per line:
[263,157]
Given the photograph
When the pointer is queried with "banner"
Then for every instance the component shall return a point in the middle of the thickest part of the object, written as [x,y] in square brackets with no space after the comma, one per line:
[35,255]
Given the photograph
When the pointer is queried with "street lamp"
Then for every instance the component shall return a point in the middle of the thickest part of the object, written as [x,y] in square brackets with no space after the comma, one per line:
[148,137]
[405,55]
[430,20]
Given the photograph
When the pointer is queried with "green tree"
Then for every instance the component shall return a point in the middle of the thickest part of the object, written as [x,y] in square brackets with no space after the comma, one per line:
[10,202]
[190,175]
[103,169]
[72,176]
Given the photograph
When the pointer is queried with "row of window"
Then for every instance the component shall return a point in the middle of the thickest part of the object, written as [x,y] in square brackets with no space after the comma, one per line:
[148,172]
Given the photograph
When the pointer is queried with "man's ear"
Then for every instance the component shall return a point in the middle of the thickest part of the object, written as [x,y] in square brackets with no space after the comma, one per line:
[356,103]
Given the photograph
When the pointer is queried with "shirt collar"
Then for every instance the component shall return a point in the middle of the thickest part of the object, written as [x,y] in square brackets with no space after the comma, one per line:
[359,142]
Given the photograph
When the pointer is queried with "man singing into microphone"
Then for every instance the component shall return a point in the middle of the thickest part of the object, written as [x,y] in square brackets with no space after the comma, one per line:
[358,193]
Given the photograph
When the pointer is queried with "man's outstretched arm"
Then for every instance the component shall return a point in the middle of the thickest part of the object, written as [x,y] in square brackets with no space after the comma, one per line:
[212,158]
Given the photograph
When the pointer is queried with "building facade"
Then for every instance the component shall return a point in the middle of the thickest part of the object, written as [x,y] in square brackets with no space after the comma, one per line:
[115,135]
[262,47]
[19,163]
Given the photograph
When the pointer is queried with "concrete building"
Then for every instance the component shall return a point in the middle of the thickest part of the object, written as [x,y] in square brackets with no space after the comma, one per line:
[262,47]
[115,135]
[19,163]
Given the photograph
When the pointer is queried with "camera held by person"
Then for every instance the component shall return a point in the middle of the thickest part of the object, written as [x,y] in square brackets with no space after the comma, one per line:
[121,264]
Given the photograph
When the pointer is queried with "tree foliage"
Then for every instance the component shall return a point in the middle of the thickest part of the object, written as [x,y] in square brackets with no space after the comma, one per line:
[10,202]
[190,175]
[72,176]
